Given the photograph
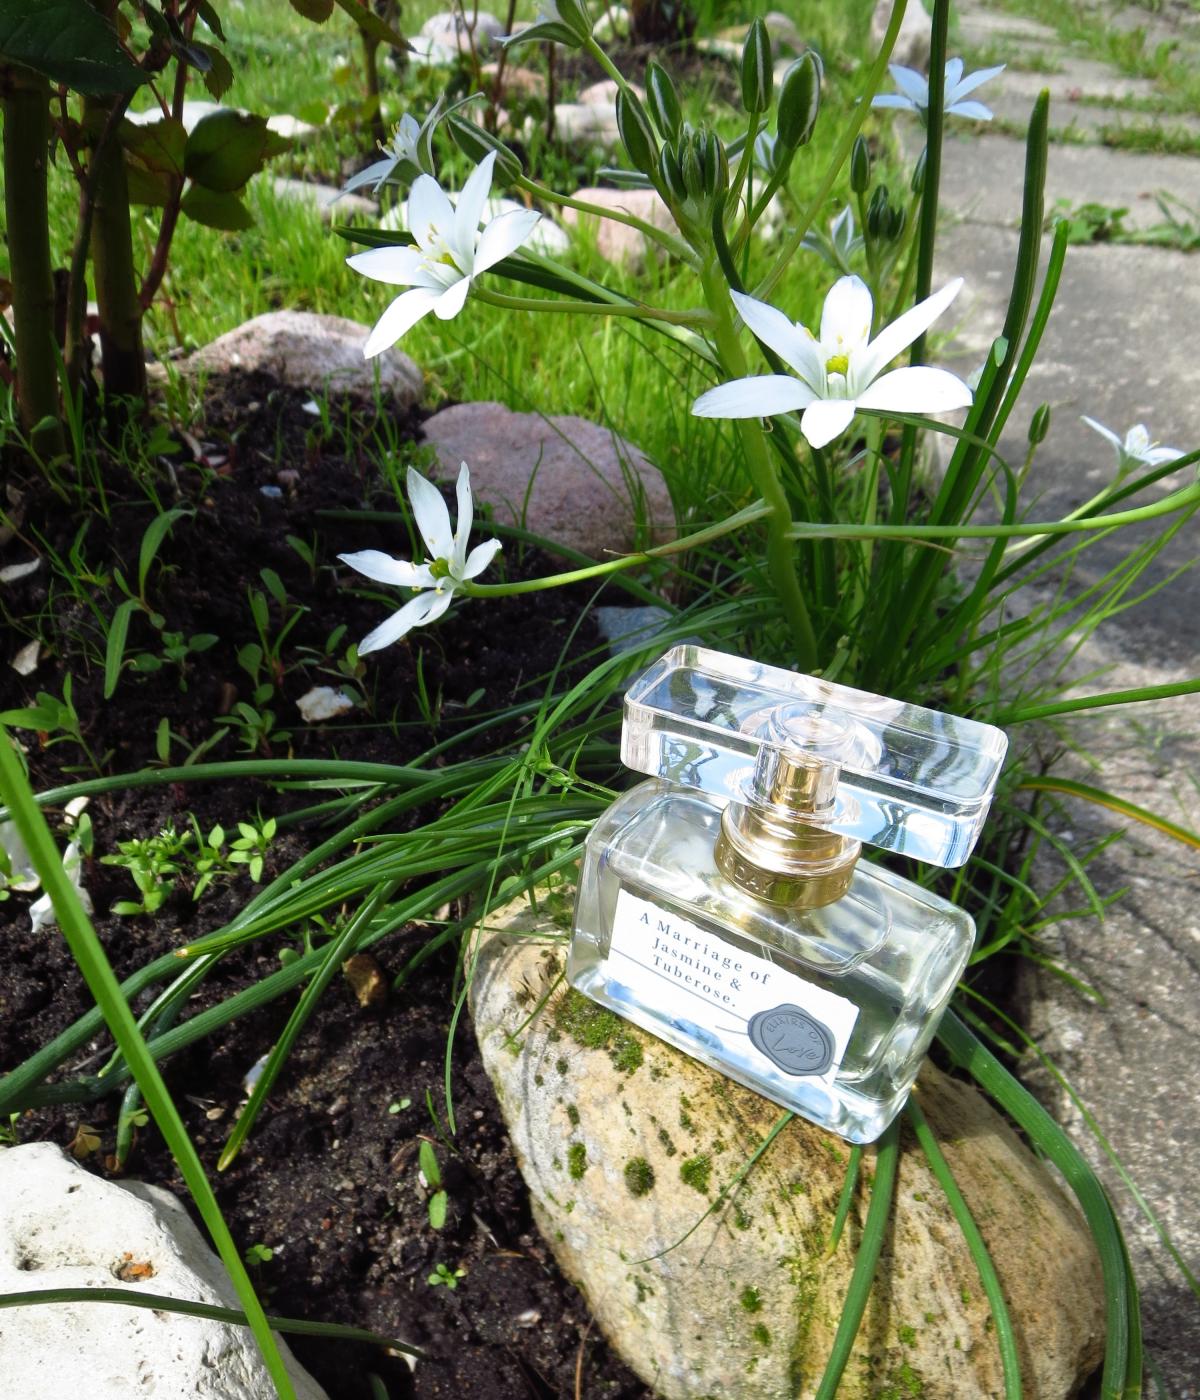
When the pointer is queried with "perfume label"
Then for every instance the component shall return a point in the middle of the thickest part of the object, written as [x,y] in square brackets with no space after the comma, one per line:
[714,990]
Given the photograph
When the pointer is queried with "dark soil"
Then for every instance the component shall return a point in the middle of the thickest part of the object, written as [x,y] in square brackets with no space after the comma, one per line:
[329,1178]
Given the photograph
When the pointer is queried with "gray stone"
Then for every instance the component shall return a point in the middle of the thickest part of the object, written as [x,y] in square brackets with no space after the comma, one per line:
[604,93]
[587,123]
[1077,174]
[987,27]
[63,1227]
[453,32]
[572,481]
[624,1152]
[618,242]
[308,351]
[1076,78]
[326,201]
[526,82]
[630,628]
[1083,121]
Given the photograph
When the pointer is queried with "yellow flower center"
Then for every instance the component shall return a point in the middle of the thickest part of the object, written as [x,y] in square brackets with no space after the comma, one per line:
[837,364]
[440,569]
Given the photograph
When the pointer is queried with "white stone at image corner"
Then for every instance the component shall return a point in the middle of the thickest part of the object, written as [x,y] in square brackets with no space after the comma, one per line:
[63,1227]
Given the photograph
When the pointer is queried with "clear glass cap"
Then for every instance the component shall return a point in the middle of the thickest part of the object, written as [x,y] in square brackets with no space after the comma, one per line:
[897,776]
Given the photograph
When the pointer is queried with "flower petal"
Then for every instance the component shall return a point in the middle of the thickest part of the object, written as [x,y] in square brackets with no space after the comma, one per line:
[398,266]
[372,175]
[469,209]
[846,316]
[826,419]
[911,83]
[894,99]
[1156,456]
[975,111]
[413,614]
[902,332]
[430,213]
[973,80]
[953,71]
[431,515]
[462,531]
[759,396]
[791,342]
[384,569]
[917,389]
[399,319]
[1103,431]
[450,302]
[480,557]
[504,235]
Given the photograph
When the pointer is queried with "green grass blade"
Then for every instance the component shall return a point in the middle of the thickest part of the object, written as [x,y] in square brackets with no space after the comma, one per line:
[1113,803]
[1121,1330]
[879,1214]
[114,646]
[161,1302]
[846,1199]
[1005,1338]
[97,971]
[1095,702]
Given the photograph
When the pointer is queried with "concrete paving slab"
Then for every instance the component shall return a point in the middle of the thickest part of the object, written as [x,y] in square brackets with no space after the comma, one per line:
[1083,121]
[991,27]
[1076,78]
[1079,174]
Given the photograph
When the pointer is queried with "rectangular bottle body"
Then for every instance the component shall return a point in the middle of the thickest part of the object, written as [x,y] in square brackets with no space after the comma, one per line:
[827,1011]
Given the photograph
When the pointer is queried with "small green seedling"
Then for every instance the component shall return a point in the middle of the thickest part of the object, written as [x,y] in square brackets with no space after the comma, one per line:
[258,1254]
[432,1176]
[445,1275]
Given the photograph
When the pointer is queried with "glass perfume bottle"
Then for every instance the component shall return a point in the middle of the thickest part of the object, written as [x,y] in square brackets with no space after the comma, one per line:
[722,905]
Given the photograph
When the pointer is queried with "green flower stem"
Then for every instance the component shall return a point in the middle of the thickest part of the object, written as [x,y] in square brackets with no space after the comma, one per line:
[673,245]
[840,156]
[781,556]
[1186,499]
[608,65]
[757,511]
[97,971]
[638,310]
[744,165]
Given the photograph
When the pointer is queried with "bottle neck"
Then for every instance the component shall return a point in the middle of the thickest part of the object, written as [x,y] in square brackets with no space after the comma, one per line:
[776,856]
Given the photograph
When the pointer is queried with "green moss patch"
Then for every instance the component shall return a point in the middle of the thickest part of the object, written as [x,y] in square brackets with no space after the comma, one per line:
[577,1162]
[696,1171]
[594,1028]
[639,1176]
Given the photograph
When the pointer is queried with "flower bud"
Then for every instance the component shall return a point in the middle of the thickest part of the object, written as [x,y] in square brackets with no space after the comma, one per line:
[475,143]
[663,102]
[878,211]
[917,184]
[1039,424]
[897,218]
[715,164]
[860,166]
[691,164]
[636,133]
[758,75]
[799,101]
[670,175]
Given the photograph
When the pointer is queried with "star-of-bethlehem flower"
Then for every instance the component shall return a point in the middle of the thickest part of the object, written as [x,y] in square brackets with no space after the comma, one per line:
[450,251]
[839,372]
[1136,450]
[914,90]
[403,150]
[447,568]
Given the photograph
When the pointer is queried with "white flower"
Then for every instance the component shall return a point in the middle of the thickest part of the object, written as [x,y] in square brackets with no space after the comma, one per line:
[448,567]
[841,371]
[1137,450]
[41,911]
[450,252]
[914,90]
[404,150]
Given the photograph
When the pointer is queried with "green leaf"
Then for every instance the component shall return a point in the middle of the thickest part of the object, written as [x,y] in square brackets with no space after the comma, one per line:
[210,17]
[316,10]
[216,210]
[69,42]
[370,23]
[156,532]
[225,149]
[149,187]
[158,145]
[428,1162]
[218,78]
[437,1209]
[114,649]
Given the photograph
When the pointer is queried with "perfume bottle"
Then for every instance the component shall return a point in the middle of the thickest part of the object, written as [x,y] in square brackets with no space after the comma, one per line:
[722,904]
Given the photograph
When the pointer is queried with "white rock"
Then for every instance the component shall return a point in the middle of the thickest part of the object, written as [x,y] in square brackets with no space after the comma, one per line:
[912,43]
[305,350]
[12,572]
[586,122]
[22,876]
[453,33]
[26,660]
[196,109]
[612,24]
[323,702]
[326,201]
[62,1227]
[41,911]
[604,93]
[618,242]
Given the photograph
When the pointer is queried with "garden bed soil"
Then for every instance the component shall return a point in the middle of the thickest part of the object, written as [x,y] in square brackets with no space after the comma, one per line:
[329,1177]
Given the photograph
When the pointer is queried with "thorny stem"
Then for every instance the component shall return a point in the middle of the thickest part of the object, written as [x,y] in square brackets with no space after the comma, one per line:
[781,555]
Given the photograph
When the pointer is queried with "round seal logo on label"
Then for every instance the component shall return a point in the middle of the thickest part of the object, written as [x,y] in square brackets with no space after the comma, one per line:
[793,1039]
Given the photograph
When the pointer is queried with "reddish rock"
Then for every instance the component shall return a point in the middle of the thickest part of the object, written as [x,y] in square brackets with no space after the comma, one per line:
[618,242]
[586,481]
